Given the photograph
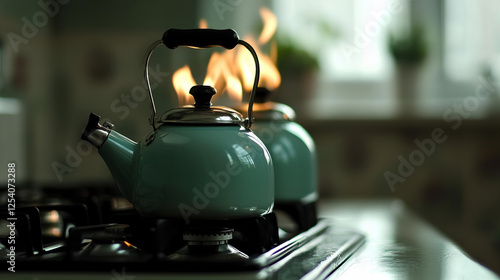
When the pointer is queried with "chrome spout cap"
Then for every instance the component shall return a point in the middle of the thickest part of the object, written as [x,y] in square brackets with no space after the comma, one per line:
[96,133]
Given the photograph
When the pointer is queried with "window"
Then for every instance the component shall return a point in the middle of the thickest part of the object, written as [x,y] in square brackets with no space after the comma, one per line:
[350,37]
[472,39]
[357,76]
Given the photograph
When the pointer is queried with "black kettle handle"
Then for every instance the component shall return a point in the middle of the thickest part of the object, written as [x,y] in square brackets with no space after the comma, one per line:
[201,38]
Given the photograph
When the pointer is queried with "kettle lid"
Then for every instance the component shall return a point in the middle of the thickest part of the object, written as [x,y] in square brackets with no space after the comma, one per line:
[202,112]
[263,109]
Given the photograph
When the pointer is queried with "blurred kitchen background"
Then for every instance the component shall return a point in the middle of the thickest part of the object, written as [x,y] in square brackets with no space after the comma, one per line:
[366,78]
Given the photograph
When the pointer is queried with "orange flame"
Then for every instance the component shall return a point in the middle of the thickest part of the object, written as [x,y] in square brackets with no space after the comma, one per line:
[220,75]
[270,25]
[182,80]
[233,87]
[269,74]
[203,24]
[217,66]
[225,69]
[53,216]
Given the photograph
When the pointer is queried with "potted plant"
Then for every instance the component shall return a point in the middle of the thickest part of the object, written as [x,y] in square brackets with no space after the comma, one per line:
[409,52]
[298,69]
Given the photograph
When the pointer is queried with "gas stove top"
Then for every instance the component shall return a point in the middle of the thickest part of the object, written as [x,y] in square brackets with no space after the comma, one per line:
[76,239]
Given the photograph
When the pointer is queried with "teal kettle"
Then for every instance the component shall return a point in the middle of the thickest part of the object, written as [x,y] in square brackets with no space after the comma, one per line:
[294,158]
[199,162]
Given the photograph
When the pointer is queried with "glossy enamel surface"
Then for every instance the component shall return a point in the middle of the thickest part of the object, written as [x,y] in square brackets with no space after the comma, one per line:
[294,158]
[194,172]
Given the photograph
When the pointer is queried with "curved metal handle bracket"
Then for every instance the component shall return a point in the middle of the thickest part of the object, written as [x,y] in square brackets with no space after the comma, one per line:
[248,120]
[152,118]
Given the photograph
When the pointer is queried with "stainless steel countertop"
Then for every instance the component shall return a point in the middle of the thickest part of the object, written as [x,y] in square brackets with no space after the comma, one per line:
[399,244]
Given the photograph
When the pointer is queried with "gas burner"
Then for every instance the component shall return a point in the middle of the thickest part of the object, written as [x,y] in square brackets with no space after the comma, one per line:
[106,241]
[208,246]
[205,238]
[162,237]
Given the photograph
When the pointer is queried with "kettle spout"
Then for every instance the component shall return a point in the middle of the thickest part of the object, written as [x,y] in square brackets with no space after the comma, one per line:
[116,150]
[96,133]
